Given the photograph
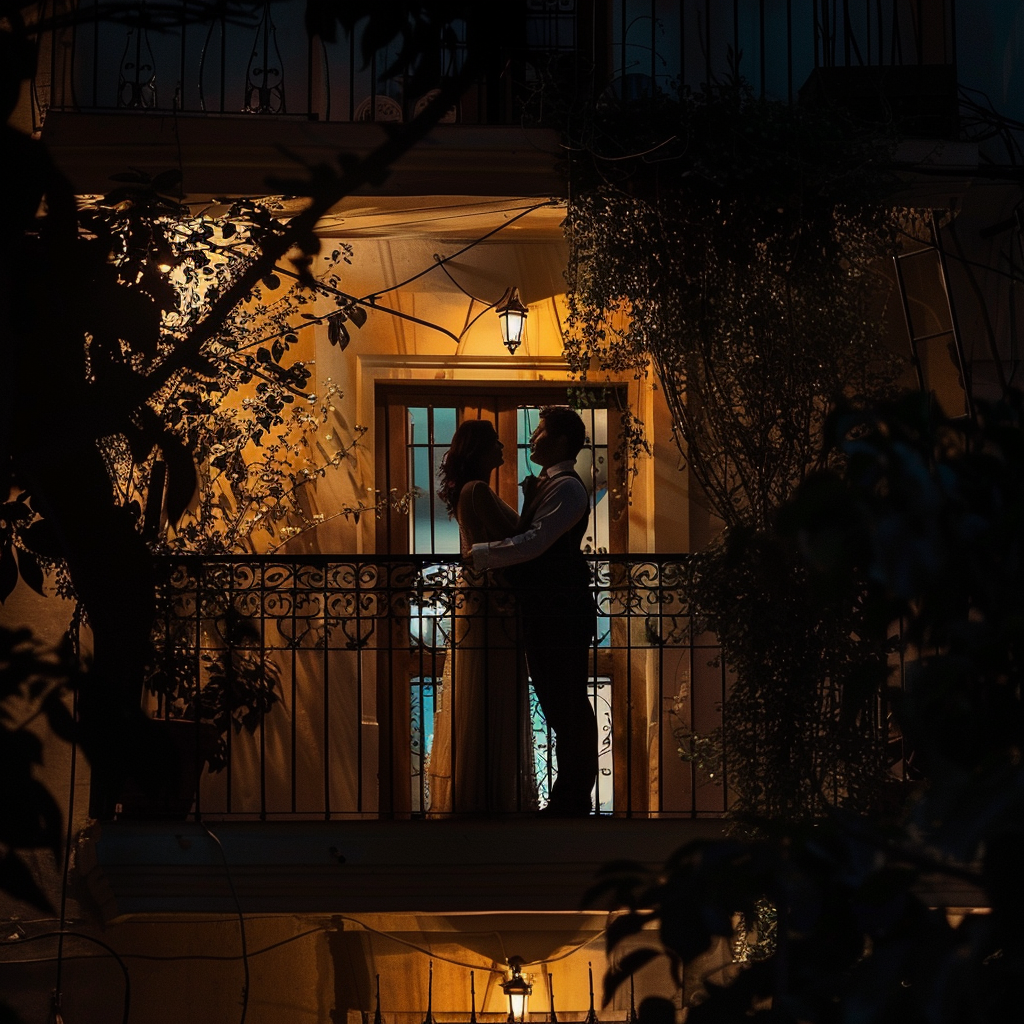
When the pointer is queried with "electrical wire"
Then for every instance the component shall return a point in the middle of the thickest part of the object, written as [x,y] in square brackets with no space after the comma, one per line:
[419,949]
[469,295]
[59,980]
[152,957]
[241,920]
[159,958]
[445,259]
[60,957]
[370,300]
[567,953]
[460,963]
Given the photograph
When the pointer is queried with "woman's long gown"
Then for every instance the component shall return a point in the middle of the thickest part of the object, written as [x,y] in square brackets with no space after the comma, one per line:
[481,761]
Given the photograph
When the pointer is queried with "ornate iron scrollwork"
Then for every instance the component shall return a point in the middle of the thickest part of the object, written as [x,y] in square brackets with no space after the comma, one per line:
[136,79]
[338,628]
[264,83]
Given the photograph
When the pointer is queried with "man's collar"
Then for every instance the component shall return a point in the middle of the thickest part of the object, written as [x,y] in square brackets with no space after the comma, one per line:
[558,468]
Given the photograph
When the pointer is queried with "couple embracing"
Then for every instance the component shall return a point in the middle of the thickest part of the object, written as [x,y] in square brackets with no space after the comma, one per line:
[523,605]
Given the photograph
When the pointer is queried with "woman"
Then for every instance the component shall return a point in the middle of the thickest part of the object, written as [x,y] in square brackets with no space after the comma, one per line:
[482,755]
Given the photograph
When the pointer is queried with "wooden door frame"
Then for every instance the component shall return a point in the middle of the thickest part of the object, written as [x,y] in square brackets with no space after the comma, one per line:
[390,397]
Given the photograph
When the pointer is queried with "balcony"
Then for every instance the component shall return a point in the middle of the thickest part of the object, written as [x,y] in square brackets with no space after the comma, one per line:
[225,100]
[123,56]
[323,805]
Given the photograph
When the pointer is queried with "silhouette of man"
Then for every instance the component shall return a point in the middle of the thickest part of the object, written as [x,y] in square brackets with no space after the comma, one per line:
[552,581]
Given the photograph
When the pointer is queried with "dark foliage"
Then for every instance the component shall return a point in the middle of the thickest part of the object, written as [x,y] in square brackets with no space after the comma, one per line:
[804,728]
[926,517]
[732,246]
[33,684]
[92,326]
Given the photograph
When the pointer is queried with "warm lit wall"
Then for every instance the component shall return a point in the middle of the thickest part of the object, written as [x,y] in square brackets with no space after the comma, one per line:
[392,242]
[322,969]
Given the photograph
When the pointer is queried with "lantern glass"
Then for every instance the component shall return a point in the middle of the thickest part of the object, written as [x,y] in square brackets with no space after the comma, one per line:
[518,990]
[518,1001]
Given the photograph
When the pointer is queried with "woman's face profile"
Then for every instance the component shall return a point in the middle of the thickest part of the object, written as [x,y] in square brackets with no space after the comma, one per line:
[493,453]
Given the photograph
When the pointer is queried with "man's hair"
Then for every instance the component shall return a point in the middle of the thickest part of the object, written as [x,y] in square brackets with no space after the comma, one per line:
[561,421]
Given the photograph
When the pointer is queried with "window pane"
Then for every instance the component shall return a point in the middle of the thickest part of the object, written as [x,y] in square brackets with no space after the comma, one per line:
[417,426]
[444,427]
[446,531]
[420,480]
[526,423]
[430,430]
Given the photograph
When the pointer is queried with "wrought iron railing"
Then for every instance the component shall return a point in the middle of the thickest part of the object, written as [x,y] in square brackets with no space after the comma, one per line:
[266,63]
[353,649]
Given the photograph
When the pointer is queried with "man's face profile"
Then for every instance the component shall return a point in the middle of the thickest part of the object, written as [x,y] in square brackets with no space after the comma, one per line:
[546,448]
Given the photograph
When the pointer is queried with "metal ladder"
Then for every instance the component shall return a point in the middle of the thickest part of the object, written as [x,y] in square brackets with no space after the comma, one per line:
[935,253]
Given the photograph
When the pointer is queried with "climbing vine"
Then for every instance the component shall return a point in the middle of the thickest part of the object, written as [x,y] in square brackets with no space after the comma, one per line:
[735,249]
[740,262]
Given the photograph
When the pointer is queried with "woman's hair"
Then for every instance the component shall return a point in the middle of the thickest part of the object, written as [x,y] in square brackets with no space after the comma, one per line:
[461,462]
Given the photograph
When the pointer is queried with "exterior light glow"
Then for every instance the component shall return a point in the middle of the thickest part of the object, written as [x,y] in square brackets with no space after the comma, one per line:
[518,990]
[512,316]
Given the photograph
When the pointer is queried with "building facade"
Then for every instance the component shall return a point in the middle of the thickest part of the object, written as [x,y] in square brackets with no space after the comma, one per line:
[309,866]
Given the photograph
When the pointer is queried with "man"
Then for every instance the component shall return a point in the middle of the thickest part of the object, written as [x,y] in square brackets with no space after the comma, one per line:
[552,584]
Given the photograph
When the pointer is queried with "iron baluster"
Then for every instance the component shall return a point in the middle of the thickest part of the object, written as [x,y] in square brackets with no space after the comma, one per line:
[264,83]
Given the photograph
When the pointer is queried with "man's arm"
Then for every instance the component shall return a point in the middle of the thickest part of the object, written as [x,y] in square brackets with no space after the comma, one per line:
[563,506]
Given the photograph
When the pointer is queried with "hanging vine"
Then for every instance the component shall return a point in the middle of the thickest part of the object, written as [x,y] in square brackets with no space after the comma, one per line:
[740,263]
[735,249]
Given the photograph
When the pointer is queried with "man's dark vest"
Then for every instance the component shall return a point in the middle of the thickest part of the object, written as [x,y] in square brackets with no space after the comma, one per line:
[562,566]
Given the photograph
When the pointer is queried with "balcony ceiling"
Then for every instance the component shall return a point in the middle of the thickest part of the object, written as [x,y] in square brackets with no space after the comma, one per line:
[444,217]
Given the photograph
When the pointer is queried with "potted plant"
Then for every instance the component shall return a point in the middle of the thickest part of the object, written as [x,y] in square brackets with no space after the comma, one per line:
[209,683]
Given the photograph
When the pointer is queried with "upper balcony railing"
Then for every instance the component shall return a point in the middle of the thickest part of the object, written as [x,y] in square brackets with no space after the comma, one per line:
[266,64]
[353,650]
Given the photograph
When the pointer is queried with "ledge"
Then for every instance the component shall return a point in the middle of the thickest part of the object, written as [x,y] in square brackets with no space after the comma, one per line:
[366,866]
[234,155]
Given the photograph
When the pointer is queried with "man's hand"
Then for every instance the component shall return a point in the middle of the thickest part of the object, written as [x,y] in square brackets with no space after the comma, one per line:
[529,485]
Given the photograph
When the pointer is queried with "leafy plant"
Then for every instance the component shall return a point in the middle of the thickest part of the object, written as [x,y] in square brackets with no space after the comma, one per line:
[228,429]
[89,310]
[23,539]
[735,248]
[925,518]
[735,255]
[216,676]
[34,682]
[805,724]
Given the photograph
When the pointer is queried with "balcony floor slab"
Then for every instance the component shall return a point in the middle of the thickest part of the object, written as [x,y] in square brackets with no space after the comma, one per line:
[377,866]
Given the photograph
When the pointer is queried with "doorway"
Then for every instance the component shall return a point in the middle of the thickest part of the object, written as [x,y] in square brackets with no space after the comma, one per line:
[415,421]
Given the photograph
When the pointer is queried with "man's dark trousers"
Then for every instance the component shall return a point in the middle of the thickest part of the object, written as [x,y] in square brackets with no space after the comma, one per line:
[559,620]
[558,650]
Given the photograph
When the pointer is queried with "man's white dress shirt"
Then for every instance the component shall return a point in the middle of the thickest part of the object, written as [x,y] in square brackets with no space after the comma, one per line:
[564,502]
